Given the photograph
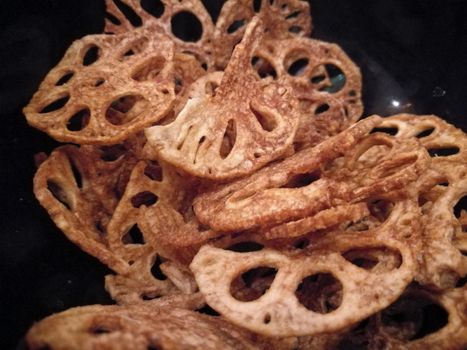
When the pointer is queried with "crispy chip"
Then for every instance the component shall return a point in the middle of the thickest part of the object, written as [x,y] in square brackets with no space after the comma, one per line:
[282,19]
[285,309]
[106,88]
[126,15]
[259,118]
[292,188]
[143,327]
[80,188]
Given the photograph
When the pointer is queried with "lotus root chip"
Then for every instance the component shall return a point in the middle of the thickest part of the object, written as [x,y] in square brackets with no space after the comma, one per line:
[80,190]
[326,81]
[355,291]
[259,122]
[294,187]
[186,23]
[142,327]
[117,85]
[283,19]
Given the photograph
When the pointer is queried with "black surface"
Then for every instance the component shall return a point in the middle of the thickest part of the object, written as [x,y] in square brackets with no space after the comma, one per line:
[413,52]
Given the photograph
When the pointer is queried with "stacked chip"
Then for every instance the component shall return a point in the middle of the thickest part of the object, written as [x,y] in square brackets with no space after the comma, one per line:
[234,176]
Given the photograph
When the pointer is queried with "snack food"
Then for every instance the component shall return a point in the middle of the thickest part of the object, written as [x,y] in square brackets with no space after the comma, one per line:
[252,193]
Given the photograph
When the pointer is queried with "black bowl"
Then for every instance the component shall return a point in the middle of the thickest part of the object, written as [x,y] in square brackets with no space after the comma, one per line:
[410,54]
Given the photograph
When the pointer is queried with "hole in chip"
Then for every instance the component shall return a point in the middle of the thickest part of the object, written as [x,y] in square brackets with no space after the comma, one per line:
[229,139]
[133,236]
[91,55]
[246,247]
[443,151]
[380,209]
[64,79]
[256,5]
[149,70]
[389,131]
[301,243]
[381,259]
[154,171]
[320,292]
[79,120]
[302,180]
[295,29]
[317,78]
[266,120]
[99,82]
[321,108]
[253,283]
[156,269]
[55,105]
[112,18]
[413,317]
[336,79]
[207,310]
[293,15]
[267,318]
[186,26]
[59,193]
[425,133]
[153,7]
[460,206]
[263,67]
[236,25]
[126,108]
[112,153]
[76,173]
[144,198]
[129,13]
[298,67]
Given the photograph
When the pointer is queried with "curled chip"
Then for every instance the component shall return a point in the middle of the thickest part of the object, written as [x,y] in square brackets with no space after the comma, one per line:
[80,188]
[259,120]
[283,19]
[292,188]
[172,18]
[106,88]
[143,327]
[322,289]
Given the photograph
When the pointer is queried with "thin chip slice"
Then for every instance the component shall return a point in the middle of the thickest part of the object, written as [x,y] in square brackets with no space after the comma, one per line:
[283,19]
[142,327]
[186,22]
[260,120]
[326,81]
[80,188]
[288,307]
[116,86]
[297,186]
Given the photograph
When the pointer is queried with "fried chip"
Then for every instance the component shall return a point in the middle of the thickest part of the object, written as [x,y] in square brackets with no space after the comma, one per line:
[80,188]
[143,327]
[171,19]
[297,186]
[285,309]
[283,19]
[106,88]
[260,120]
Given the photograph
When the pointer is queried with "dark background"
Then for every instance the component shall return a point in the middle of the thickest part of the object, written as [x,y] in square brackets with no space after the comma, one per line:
[413,52]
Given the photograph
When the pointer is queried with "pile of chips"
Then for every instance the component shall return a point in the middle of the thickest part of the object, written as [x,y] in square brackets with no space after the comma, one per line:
[238,195]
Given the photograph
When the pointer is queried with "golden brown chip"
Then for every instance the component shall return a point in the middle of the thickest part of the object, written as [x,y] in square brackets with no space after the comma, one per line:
[282,19]
[142,327]
[326,81]
[344,288]
[176,19]
[259,119]
[80,188]
[106,88]
[300,186]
